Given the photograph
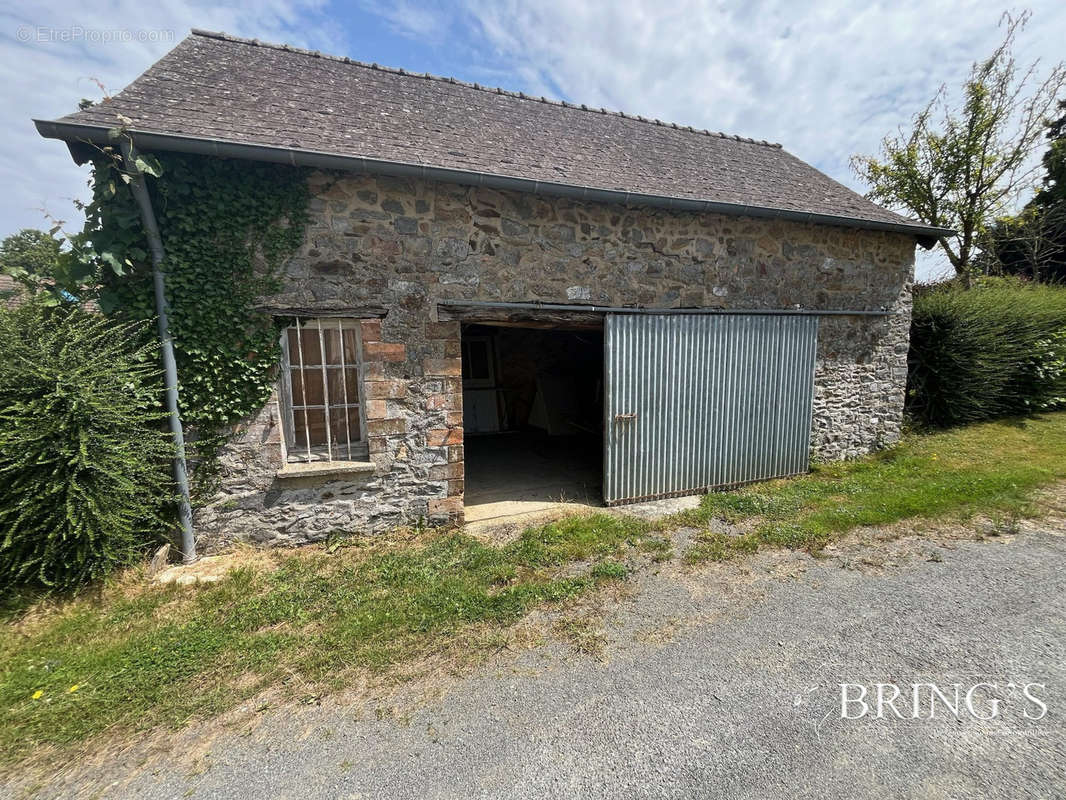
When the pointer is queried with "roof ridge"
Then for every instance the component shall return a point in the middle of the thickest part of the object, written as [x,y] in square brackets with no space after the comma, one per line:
[226,37]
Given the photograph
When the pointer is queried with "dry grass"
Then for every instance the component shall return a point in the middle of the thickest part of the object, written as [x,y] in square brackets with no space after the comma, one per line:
[367,614]
[130,656]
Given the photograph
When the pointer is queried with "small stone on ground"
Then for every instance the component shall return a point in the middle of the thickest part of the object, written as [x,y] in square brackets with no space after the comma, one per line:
[209,569]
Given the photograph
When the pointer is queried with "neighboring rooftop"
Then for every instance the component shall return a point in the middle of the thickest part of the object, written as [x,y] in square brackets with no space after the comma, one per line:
[217,88]
[9,291]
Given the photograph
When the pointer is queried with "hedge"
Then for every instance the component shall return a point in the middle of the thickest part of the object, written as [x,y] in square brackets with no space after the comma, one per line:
[995,350]
[84,484]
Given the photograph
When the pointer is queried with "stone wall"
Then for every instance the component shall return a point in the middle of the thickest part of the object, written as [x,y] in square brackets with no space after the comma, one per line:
[402,246]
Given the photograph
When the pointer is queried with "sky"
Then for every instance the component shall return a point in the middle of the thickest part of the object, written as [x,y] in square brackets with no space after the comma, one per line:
[826,78]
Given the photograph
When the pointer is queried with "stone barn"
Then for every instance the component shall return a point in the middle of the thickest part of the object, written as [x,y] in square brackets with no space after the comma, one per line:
[504,301]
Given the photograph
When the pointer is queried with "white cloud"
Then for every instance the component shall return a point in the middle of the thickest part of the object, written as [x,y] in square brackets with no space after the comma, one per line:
[828,79]
[416,20]
[44,76]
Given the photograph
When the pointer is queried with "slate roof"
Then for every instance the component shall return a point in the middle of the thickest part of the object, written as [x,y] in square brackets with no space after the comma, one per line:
[217,87]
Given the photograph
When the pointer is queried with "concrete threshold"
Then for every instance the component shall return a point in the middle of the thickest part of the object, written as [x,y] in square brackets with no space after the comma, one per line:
[485,518]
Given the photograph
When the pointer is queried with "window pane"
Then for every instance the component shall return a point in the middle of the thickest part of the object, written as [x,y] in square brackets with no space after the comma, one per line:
[339,379]
[312,352]
[342,435]
[307,387]
[352,355]
[316,424]
[299,430]
[331,338]
[355,425]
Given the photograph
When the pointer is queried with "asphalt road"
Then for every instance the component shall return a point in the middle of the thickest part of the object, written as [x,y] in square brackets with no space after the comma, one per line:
[718,682]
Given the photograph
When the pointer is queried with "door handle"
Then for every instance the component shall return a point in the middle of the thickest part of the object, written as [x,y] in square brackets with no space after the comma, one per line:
[625,417]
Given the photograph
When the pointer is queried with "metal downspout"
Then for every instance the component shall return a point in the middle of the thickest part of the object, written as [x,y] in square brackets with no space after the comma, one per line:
[170,367]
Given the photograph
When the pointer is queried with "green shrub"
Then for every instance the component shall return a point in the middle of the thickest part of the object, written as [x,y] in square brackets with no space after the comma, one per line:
[83,457]
[995,350]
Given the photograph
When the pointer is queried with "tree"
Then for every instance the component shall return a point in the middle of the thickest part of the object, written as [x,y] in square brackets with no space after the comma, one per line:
[29,252]
[42,267]
[1053,192]
[961,168]
[1033,242]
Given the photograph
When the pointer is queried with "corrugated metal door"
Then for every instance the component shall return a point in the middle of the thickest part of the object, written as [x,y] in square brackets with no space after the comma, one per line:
[695,401]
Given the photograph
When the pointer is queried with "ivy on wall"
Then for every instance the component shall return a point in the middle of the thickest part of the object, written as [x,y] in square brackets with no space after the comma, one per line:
[227,227]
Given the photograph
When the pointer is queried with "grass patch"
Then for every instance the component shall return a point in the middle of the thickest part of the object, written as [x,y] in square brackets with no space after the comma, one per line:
[140,656]
[583,635]
[131,656]
[991,469]
[610,570]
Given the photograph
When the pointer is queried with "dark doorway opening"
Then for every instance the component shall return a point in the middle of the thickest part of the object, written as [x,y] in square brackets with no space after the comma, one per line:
[532,418]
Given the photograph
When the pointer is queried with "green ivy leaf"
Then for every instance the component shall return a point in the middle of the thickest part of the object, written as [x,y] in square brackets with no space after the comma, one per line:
[227,227]
[149,165]
[108,301]
[114,263]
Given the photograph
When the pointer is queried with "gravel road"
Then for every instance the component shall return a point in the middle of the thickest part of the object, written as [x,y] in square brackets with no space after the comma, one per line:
[717,682]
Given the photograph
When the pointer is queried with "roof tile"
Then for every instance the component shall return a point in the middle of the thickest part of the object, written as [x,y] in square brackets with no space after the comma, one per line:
[243,91]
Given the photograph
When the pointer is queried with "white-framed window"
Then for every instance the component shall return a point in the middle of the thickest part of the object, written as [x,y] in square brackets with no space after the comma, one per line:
[321,391]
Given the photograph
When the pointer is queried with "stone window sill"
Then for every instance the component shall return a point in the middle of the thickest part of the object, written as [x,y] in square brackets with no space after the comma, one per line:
[325,469]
